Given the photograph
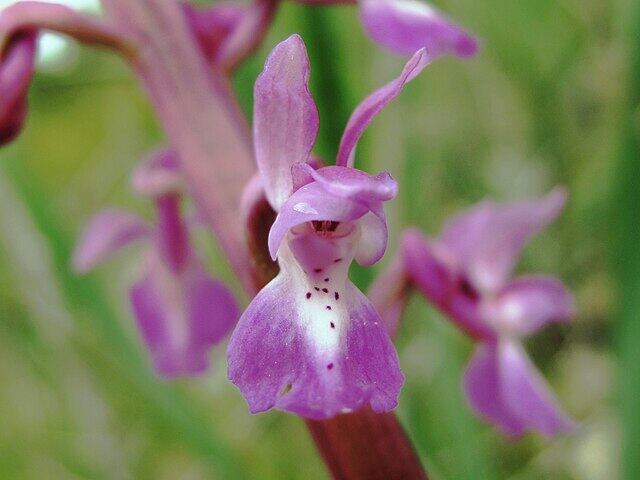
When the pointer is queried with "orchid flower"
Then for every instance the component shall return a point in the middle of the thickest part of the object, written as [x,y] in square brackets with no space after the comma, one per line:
[310,342]
[180,311]
[466,274]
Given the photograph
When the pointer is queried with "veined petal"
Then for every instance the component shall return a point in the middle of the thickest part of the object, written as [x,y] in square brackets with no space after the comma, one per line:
[350,183]
[440,284]
[109,231]
[503,386]
[310,342]
[158,174]
[285,118]
[404,26]
[16,71]
[309,203]
[527,304]
[181,316]
[486,241]
[528,395]
[373,104]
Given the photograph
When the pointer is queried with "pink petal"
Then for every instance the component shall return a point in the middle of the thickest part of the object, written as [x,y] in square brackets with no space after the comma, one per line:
[107,232]
[404,26]
[483,388]
[528,303]
[441,285]
[181,316]
[310,342]
[285,118]
[373,104]
[16,71]
[503,386]
[373,236]
[527,394]
[486,240]
[158,174]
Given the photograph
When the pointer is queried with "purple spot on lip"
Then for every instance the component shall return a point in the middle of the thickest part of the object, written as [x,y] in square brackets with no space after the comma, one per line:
[316,289]
[333,325]
[308,295]
[317,270]
[330,366]
[337,295]
[337,260]
[325,290]
[328,307]
[326,279]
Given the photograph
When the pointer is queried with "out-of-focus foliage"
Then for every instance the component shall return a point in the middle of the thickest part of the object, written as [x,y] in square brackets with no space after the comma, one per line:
[543,104]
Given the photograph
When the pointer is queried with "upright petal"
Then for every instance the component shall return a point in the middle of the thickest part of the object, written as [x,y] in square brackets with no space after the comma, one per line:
[503,386]
[109,231]
[181,316]
[487,239]
[404,26]
[373,104]
[285,118]
[529,303]
[16,70]
[310,342]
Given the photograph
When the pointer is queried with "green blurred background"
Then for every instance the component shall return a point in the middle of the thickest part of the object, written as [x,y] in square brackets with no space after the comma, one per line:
[551,99]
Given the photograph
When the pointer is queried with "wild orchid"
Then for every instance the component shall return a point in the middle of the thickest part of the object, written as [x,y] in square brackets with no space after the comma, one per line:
[180,311]
[466,274]
[310,342]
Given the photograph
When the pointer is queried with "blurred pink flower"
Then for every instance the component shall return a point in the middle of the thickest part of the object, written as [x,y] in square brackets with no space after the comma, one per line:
[180,311]
[466,274]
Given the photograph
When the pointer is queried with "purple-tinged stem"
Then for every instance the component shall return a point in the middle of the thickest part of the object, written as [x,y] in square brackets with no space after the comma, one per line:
[195,109]
[217,161]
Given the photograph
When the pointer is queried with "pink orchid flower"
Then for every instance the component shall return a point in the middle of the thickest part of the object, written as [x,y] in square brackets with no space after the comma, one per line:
[180,311]
[466,274]
[310,342]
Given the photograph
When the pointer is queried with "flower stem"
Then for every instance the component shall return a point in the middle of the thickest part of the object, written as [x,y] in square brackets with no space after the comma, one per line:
[366,444]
